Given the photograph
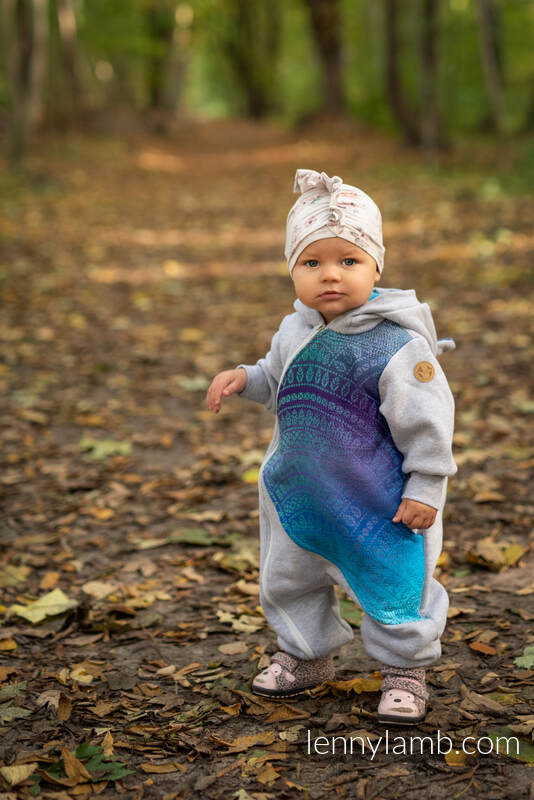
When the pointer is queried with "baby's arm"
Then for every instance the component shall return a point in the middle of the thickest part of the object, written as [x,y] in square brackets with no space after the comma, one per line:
[418,405]
[257,382]
[225,383]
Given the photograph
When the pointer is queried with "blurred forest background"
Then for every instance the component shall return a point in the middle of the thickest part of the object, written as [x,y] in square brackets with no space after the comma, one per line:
[432,71]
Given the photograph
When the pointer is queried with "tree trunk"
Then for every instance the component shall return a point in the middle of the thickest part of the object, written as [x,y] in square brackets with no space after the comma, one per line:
[160,18]
[178,63]
[39,63]
[69,49]
[489,40]
[406,117]
[326,24]
[24,26]
[252,50]
[431,136]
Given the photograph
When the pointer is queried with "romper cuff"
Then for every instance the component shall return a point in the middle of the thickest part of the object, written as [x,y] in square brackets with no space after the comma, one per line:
[424,488]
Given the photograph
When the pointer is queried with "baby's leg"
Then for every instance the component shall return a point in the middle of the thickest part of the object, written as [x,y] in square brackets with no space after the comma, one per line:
[409,644]
[297,593]
[414,644]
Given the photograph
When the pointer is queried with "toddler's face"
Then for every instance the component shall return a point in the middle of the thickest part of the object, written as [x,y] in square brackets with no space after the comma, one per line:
[333,276]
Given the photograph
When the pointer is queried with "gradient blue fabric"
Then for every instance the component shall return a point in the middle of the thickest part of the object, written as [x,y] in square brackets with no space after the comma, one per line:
[335,477]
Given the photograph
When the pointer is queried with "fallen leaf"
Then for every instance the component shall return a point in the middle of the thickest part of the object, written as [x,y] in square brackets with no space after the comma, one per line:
[456,758]
[267,774]
[526,661]
[284,712]
[74,767]
[245,742]
[17,773]
[99,589]
[162,769]
[357,685]
[233,648]
[51,604]
[480,647]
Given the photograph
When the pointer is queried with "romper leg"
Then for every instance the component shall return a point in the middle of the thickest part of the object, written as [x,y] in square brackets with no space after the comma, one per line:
[414,644]
[296,591]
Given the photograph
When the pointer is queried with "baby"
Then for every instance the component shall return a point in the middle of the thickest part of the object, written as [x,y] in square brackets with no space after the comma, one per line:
[353,483]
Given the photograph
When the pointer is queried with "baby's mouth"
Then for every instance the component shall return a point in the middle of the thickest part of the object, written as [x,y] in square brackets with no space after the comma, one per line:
[331,294]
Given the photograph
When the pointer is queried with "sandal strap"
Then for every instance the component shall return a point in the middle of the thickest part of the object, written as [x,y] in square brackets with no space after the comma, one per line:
[410,680]
[285,660]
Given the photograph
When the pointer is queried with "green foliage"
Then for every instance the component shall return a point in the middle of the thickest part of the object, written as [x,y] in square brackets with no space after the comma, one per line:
[235,51]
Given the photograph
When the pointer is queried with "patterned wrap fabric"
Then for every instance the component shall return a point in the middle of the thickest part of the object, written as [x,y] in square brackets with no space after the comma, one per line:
[335,477]
[328,207]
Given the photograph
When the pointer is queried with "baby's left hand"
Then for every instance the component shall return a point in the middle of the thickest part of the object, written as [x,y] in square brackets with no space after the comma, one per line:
[415,514]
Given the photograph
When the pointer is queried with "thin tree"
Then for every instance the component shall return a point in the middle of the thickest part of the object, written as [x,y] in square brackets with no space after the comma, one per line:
[490,50]
[251,43]
[70,54]
[431,121]
[325,17]
[25,33]
[160,21]
[407,117]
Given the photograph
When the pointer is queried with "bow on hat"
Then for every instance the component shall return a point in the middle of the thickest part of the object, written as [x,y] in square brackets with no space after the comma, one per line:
[306,179]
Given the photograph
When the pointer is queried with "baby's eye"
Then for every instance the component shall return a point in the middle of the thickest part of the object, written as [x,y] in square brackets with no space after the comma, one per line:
[351,262]
[311,262]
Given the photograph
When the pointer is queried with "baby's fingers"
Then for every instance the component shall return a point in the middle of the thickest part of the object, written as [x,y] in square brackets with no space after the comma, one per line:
[231,388]
[213,398]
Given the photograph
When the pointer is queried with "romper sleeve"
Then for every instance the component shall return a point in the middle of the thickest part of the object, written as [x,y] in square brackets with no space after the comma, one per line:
[418,405]
[263,376]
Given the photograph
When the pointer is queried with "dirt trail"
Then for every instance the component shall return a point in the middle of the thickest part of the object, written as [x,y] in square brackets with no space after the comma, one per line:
[135,268]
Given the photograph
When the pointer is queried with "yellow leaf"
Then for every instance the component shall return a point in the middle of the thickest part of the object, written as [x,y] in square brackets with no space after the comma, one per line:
[49,581]
[107,744]
[80,675]
[284,712]
[232,710]
[245,742]
[233,648]
[267,774]
[357,685]
[454,611]
[251,475]
[456,758]
[191,335]
[74,767]
[161,769]
[17,773]
[99,589]
[55,602]
[8,644]
[513,553]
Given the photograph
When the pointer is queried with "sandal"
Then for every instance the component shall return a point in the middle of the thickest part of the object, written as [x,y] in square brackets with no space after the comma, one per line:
[287,676]
[404,695]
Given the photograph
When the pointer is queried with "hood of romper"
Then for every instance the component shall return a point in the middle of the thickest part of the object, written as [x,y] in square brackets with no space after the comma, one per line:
[398,305]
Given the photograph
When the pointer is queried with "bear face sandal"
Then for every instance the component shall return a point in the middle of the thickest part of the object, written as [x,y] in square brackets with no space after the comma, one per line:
[404,695]
[287,676]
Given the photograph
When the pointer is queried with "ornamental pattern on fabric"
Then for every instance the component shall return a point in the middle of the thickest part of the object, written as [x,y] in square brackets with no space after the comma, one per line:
[335,477]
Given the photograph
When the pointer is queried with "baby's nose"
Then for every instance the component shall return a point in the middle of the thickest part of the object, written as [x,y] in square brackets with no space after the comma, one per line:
[331,271]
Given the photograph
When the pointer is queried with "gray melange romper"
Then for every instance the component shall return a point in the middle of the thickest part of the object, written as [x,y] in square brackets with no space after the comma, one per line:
[364,417]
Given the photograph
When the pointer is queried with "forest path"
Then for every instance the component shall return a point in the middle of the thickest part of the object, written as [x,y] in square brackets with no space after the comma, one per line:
[135,268]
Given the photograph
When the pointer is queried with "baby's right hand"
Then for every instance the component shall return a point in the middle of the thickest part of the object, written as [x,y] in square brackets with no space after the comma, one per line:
[225,383]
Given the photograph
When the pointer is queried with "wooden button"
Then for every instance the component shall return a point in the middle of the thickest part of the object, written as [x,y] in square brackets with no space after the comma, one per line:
[424,371]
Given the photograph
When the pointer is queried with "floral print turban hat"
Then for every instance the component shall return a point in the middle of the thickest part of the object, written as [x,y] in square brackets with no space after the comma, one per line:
[328,207]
